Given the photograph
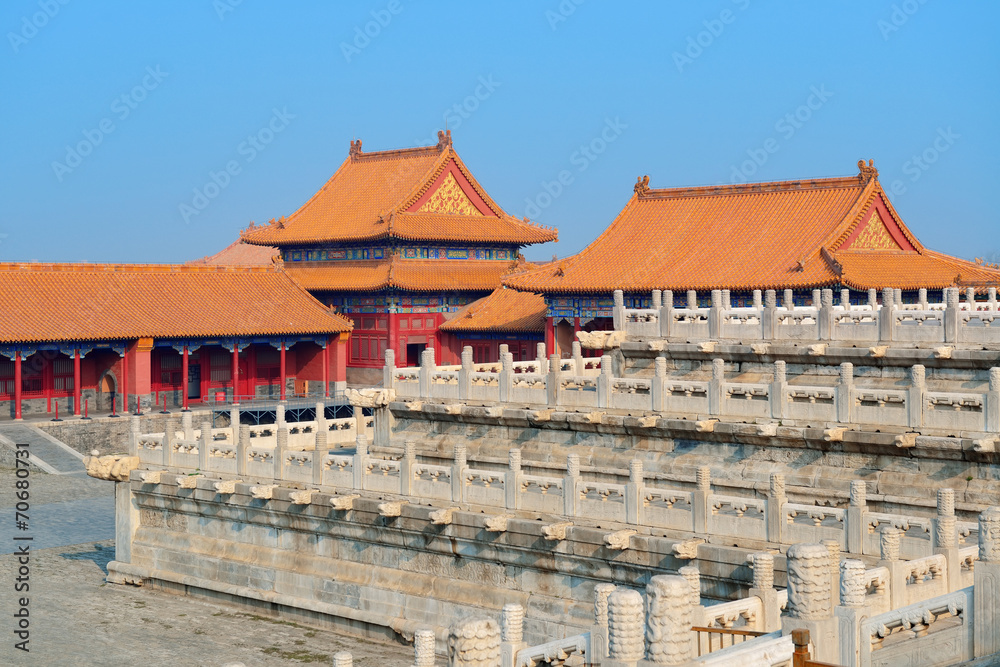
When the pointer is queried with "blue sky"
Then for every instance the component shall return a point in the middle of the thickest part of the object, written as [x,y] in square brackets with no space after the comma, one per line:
[117,114]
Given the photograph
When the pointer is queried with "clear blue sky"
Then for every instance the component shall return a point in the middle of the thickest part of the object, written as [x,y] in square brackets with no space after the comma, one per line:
[163,94]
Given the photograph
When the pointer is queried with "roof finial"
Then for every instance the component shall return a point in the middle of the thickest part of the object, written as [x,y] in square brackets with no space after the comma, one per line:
[642,185]
[355,148]
[444,139]
[868,171]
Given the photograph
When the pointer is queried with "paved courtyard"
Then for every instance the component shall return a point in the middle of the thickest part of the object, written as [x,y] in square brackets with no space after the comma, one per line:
[78,619]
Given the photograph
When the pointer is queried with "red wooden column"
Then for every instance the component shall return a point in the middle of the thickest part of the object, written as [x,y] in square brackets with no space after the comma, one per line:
[550,336]
[125,405]
[281,372]
[236,372]
[326,369]
[17,385]
[76,382]
[394,339]
[184,379]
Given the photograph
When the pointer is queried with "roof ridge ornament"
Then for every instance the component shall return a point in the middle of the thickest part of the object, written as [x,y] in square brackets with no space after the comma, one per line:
[866,172]
[642,185]
[444,139]
[355,148]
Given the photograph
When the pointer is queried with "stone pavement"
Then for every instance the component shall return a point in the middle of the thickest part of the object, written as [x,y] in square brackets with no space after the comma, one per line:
[55,457]
[79,619]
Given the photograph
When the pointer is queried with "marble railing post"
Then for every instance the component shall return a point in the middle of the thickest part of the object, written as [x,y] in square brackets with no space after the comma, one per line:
[763,587]
[833,547]
[506,379]
[851,610]
[512,482]
[845,299]
[769,315]
[715,315]
[241,433]
[320,417]
[944,536]
[691,298]
[775,517]
[992,296]
[604,383]
[169,428]
[788,299]
[320,450]
[873,302]
[915,396]
[715,393]
[427,367]
[952,311]
[553,385]
[700,510]
[816,297]
[389,371]
[854,519]
[234,424]
[406,467]
[360,461]
[205,443]
[459,466]
[569,484]
[810,599]
[970,298]
[599,633]
[465,374]
[618,313]
[134,431]
[922,298]
[658,393]
[423,649]
[577,358]
[280,451]
[543,362]
[667,314]
[669,620]
[657,300]
[626,646]
[992,403]
[843,393]
[886,317]
[986,575]
[758,300]
[889,540]
[511,633]
[634,490]
[279,415]
[777,394]
[187,426]
[825,314]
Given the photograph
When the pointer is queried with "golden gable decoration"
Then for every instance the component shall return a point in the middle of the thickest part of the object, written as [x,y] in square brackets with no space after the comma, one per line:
[450,198]
[875,236]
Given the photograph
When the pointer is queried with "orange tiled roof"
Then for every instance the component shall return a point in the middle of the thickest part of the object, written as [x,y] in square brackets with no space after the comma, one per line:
[399,194]
[52,302]
[418,275]
[777,235]
[239,253]
[502,310]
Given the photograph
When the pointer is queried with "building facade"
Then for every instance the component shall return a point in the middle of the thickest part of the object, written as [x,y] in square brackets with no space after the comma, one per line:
[398,241]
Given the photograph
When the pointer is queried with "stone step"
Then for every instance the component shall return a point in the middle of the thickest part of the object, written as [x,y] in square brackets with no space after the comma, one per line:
[57,457]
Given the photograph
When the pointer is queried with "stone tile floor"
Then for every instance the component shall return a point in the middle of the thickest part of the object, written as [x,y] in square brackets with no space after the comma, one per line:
[79,619]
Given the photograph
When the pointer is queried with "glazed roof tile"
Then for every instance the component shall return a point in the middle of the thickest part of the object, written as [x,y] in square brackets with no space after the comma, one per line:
[53,302]
[379,195]
[418,275]
[239,253]
[777,235]
[503,310]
